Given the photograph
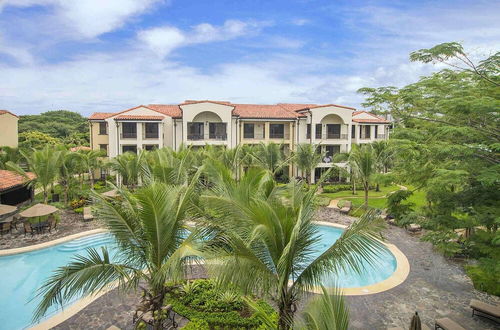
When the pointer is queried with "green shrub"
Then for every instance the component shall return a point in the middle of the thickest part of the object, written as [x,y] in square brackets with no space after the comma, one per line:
[336,188]
[397,205]
[444,241]
[99,185]
[221,309]
[197,325]
[322,200]
[77,203]
[485,275]
[78,210]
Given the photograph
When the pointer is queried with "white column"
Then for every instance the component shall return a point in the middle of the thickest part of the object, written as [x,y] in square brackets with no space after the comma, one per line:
[349,136]
[160,134]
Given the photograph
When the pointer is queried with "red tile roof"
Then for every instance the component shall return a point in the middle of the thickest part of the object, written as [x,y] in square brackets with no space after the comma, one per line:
[9,179]
[138,117]
[375,119]
[100,115]
[257,111]
[3,112]
[171,110]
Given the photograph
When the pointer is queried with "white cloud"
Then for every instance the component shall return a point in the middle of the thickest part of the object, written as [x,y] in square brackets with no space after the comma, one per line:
[300,21]
[90,18]
[162,40]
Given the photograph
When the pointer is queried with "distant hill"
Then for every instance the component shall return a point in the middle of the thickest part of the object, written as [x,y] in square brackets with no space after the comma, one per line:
[61,124]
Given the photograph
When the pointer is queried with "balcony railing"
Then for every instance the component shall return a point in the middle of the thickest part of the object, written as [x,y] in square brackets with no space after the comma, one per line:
[151,135]
[279,136]
[218,137]
[335,136]
[128,135]
[380,137]
[364,136]
[254,136]
[196,137]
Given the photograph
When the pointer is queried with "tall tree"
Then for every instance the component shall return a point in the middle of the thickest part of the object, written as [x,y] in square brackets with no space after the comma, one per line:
[44,163]
[363,163]
[150,229]
[307,158]
[91,161]
[131,167]
[264,238]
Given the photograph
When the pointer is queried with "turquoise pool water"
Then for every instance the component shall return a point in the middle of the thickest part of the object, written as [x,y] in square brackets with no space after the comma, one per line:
[21,274]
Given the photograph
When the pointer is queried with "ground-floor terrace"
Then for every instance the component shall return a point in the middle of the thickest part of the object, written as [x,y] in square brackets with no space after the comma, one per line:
[436,287]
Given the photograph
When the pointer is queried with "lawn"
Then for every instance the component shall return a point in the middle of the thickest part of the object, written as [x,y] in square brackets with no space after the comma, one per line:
[384,190]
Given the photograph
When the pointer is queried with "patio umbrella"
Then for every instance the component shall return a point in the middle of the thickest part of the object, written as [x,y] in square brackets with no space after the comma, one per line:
[38,210]
[415,322]
[6,210]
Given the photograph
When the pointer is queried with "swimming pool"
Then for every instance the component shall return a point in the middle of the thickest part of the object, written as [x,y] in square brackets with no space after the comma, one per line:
[21,274]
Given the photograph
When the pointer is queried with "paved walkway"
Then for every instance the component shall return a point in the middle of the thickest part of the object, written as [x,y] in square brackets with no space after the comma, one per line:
[435,287]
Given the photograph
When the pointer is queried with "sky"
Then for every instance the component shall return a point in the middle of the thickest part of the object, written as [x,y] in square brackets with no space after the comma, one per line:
[110,55]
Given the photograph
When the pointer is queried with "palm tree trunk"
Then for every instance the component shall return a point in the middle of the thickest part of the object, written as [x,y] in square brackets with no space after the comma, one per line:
[377,188]
[285,315]
[45,195]
[91,177]
[366,186]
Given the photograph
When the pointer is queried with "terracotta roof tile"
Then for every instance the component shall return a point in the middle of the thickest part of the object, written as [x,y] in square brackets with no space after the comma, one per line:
[375,119]
[9,179]
[138,117]
[100,115]
[171,110]
[3,112]
[263,111]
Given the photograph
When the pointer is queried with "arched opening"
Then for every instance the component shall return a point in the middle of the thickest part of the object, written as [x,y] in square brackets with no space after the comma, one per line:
[333,127]
[207,125]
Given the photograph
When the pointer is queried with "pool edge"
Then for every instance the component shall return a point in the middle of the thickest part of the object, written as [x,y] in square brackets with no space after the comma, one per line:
[399,276]
[24,249]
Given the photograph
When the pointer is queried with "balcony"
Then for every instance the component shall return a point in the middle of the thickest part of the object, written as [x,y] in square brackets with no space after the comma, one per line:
[380,137]
[281,136]
[364,136]
[128,135]
[254,136]
[196,137]
[218,137]
[335,136]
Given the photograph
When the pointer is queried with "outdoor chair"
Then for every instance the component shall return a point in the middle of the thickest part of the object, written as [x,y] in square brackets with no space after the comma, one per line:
[5,227]
[28,228]
[486,310]
[346,208]
[51,222]
[87,214]
[447,324]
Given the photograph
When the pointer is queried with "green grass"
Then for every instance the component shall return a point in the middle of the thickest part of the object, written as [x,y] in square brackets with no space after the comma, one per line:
[360,193]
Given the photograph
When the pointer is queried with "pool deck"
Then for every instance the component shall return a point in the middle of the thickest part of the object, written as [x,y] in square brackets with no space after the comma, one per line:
[435,287]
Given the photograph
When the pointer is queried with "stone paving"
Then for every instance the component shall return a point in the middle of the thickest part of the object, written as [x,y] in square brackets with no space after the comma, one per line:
[436,287]
[70,223]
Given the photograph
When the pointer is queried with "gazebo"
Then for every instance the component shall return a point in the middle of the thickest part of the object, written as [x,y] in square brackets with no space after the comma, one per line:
[37,211]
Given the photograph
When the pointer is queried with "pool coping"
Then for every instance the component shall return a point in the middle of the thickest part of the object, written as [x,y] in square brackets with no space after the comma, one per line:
[29,248]
[398,276]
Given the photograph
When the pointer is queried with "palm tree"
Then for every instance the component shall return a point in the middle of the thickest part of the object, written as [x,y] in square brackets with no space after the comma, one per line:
[70,164]
[44,163]
[363,163]
[90,160]
[131,167]
[8,154]
[307,158]
[269,156]
[264,239]
[169,166]
[149,227]
[343,157]
[383,156]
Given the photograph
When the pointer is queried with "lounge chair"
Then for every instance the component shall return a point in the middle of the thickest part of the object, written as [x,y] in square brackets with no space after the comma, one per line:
[5,227]
[51,222]
[414,228]
[28,228]
[486,310]
[447,324]
[87,214]
[346,208]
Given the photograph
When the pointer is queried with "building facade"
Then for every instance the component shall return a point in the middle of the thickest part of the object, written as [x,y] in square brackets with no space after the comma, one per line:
[8,129]
[333,128]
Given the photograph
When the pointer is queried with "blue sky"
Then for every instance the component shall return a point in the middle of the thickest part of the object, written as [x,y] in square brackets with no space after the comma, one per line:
[108,55]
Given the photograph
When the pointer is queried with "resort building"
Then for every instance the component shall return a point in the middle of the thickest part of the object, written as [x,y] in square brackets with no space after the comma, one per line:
[8,129]
[334,128]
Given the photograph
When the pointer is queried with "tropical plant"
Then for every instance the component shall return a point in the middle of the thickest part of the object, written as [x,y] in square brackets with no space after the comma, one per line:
[68,168]
[8,154]
[363,163]
[90,160]
[44,163]
[169,166]
[264,239]
[307,158]
[269,156]
[150,229]
[326,312]
[131,167]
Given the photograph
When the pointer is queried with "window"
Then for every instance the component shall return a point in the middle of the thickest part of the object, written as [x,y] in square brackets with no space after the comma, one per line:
[129,130]
[364,131]
[151,130]
[367,131]
[332,150]
[217,131]
[104,147]
[103,128]
[353,131]
[248,131]
[308,133]
[333,131]
[150,147]
[277,131]
[319,131]
[131,148]
[376,131]
[195,131]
